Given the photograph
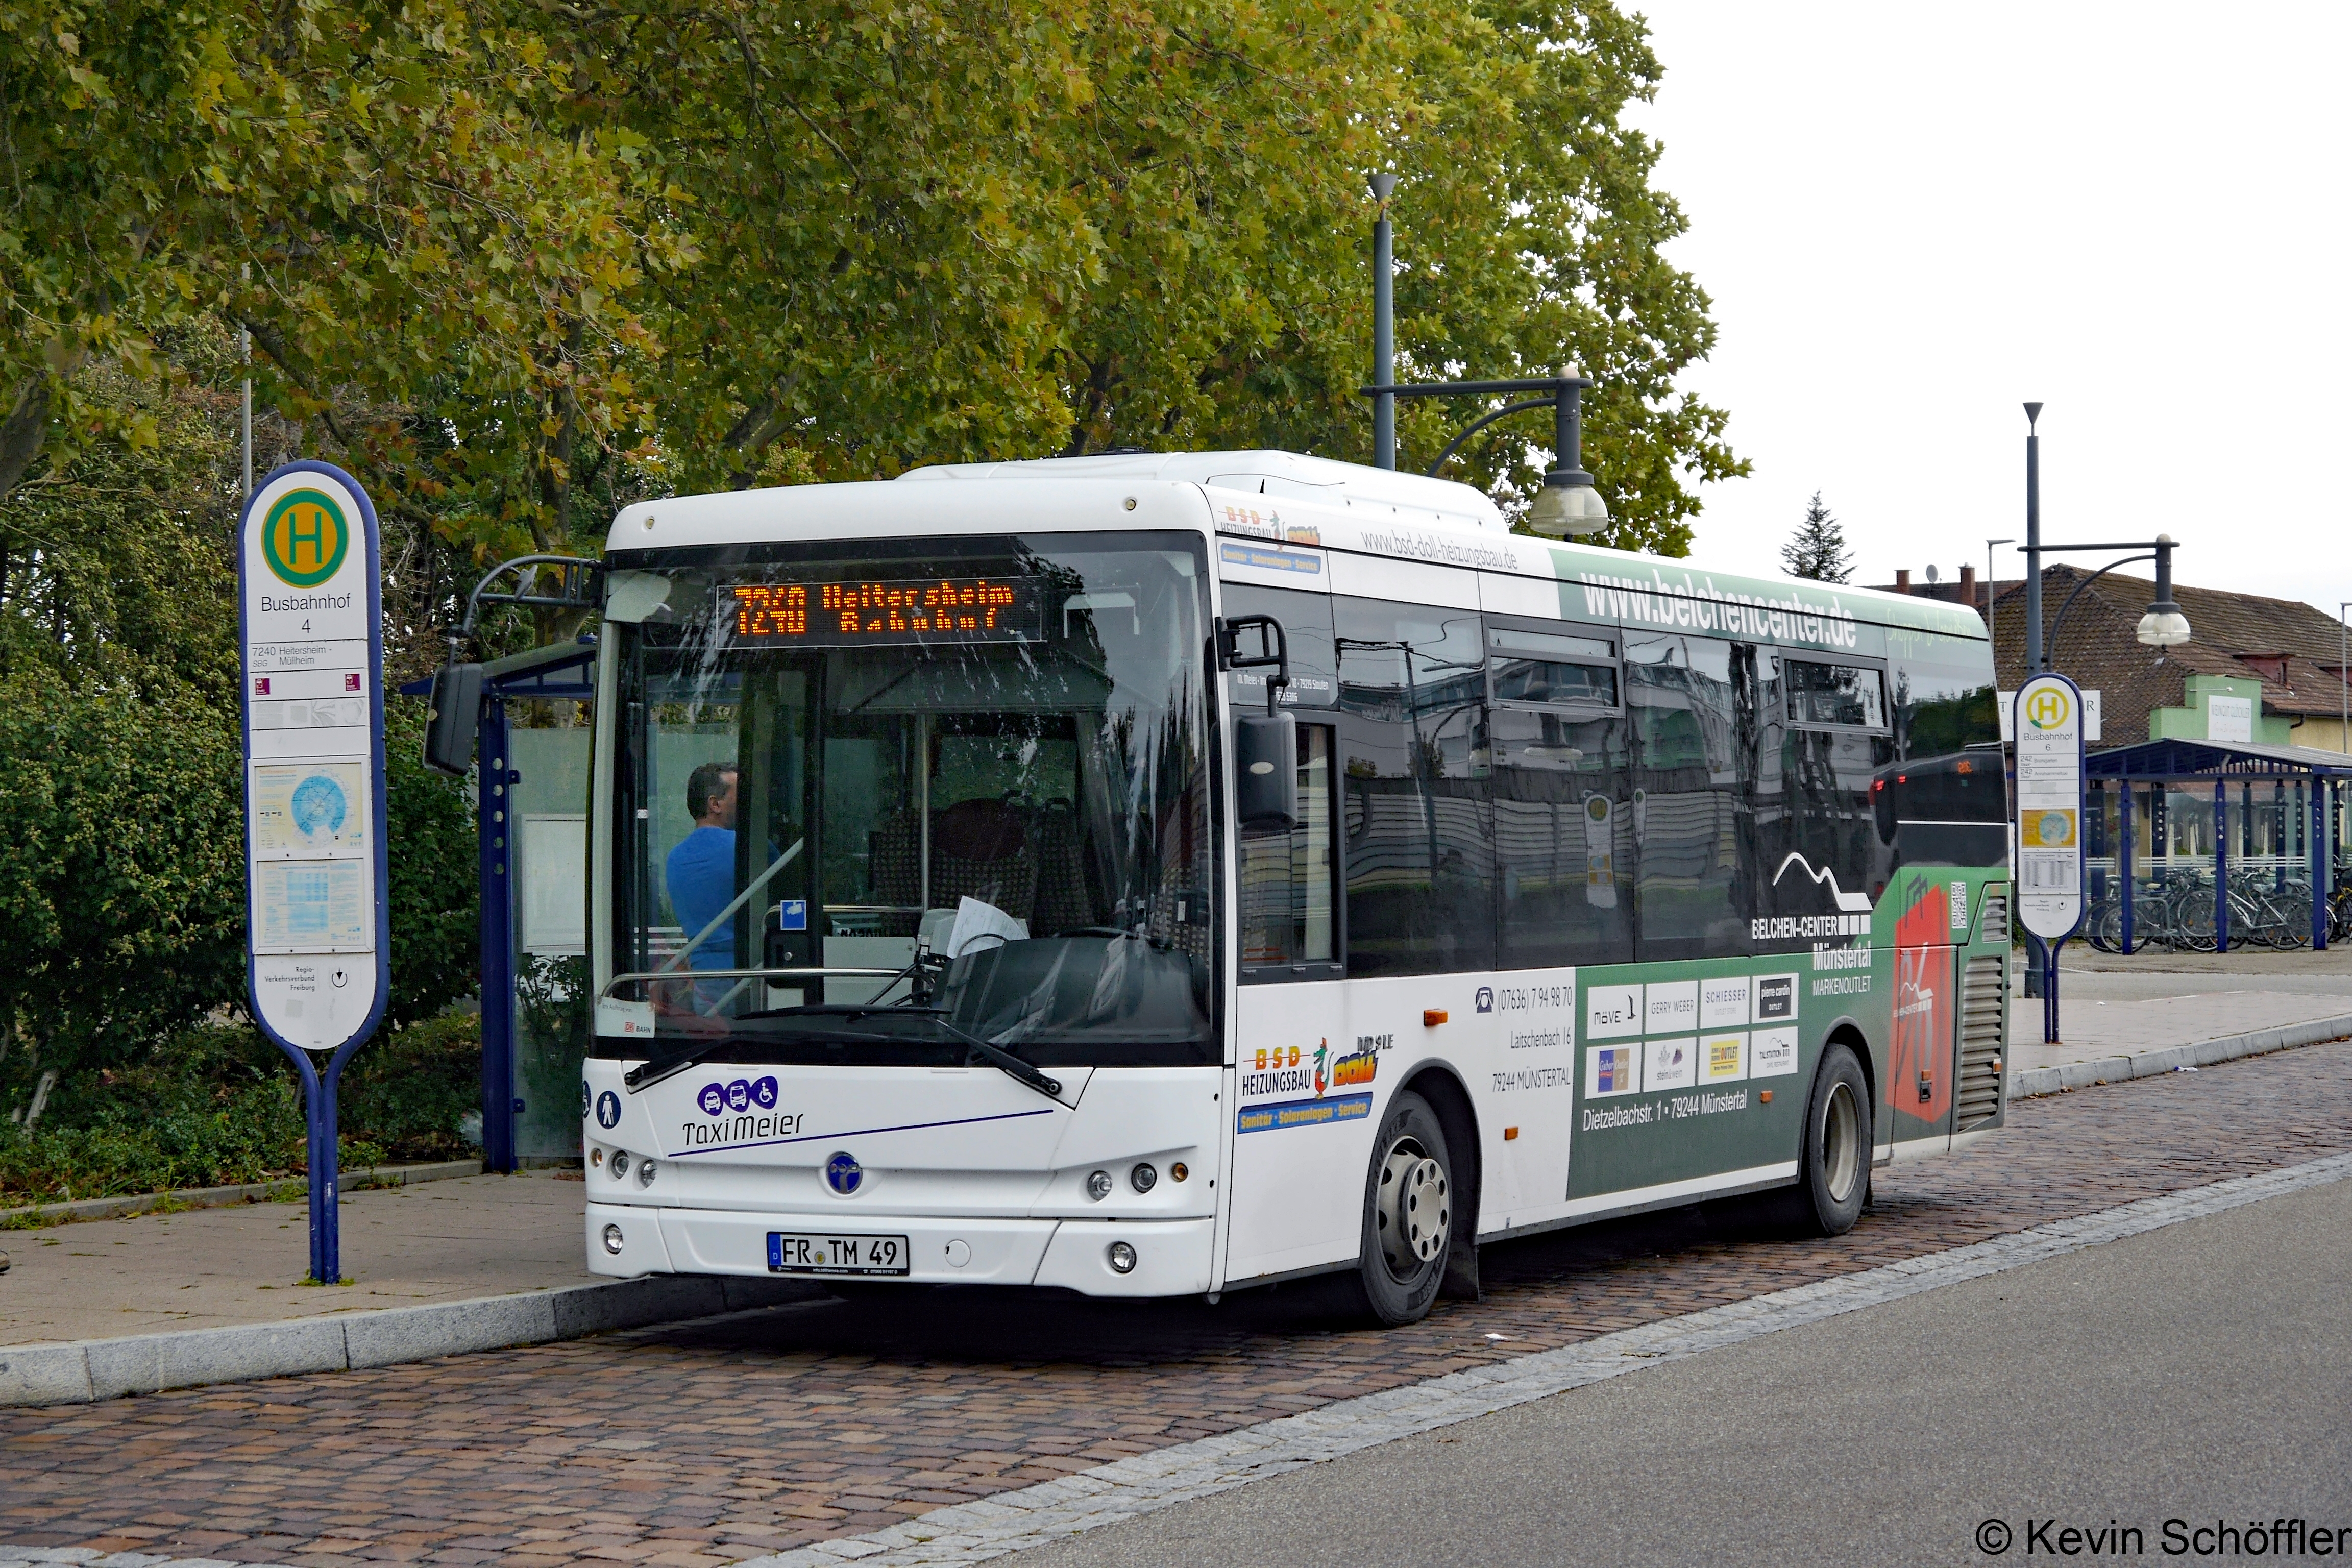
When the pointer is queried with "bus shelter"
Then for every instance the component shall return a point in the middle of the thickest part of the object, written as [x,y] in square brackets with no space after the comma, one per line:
[2174,817]
[530,801]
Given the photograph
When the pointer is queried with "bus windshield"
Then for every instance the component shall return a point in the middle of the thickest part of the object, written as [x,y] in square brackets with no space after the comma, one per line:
[968,775]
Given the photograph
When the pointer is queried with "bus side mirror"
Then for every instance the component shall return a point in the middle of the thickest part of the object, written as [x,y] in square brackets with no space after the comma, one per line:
[1265,773]
[454,709]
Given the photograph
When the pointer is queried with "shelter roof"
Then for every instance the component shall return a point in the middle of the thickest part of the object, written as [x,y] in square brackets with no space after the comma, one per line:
[2208,759]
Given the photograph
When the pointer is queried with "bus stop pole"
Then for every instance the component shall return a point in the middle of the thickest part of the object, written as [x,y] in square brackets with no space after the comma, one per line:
[2124,860]
[496,828]
[2220,865]
[2317,829]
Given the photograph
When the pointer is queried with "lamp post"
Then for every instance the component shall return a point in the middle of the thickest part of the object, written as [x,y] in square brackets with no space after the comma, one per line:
[1567,505]
[1383,325]
[2033,665]
[2343,678]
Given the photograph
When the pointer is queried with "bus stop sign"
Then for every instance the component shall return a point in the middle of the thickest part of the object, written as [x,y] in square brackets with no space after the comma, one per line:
[309,625]
[2049,727]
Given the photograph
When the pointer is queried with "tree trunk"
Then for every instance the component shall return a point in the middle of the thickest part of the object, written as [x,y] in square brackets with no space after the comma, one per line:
[24,431]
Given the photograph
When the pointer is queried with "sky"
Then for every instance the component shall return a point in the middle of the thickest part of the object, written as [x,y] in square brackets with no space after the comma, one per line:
[1913,219]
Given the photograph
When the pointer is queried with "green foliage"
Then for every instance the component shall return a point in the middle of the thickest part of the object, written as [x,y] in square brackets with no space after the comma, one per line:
[207,1107]
[1817,550]
[516,263]
[216,1105]
[404,1090]
[122,852]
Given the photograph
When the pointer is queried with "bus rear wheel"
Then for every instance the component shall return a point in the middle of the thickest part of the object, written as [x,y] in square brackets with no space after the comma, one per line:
[1408,1215]
[1833,1161]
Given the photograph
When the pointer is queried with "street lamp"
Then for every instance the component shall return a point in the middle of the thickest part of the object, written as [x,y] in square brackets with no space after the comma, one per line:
[2162,626]
[1567,505]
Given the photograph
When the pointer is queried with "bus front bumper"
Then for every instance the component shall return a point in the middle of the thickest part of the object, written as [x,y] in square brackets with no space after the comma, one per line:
[1172,1256]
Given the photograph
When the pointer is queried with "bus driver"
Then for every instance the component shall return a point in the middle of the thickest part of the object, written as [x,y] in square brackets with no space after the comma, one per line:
[701,869]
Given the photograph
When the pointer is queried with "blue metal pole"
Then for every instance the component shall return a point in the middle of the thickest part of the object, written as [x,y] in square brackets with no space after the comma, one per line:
[492,798]
[2317,827]
[2124,864]
[319,1137]
[2220,865]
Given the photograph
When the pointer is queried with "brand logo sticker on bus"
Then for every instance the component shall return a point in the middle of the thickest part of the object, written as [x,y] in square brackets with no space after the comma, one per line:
[1668,1064]
[1772,1053]
[1673,1005]
[1723,1002]
[1610,1011]
[1343,1073]
[1611,1070]
[1723,1059]
[1776,998]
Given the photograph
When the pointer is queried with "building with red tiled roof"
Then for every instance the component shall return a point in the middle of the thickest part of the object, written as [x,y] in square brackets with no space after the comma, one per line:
[2286,653]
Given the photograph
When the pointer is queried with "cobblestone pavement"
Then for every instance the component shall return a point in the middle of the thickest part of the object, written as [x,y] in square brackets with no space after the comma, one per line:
[727,1439]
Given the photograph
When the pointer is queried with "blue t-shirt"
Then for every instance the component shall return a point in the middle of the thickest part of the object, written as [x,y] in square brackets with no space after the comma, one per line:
[701,873]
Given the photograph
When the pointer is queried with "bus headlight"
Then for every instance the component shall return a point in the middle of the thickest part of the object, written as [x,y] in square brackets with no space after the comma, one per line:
[613,1239]
[1098,1185]
[1143,1178]
[620,1164]
[645,1173]
[1122,1257]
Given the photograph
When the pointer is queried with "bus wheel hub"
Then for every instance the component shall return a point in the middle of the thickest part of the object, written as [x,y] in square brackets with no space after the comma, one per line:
[1416,1210]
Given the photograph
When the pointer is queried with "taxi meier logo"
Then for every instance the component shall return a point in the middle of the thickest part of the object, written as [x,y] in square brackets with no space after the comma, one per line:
[304,538]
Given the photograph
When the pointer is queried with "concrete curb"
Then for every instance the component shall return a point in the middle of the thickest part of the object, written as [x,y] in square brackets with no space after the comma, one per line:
[86,1370]
[2033,1082]
[367,1179]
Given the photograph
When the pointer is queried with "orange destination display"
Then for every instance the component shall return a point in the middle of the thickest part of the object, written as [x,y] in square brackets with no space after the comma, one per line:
[837,614]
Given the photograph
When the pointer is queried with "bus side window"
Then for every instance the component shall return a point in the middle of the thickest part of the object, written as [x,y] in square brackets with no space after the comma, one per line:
[1562,793]
[1687,776]
[1290,881]
[1418,827]
[1835,741]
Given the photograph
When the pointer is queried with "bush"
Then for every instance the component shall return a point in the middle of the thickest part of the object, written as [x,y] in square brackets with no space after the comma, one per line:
[217,1104]
[204,1109]
[405,1089]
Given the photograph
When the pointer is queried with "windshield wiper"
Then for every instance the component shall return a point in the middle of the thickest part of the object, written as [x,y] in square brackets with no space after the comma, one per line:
[655,1071]
[994,1055]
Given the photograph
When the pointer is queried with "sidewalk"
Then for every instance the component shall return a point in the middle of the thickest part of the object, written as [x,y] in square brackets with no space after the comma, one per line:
[2154,1005]
[208,1269]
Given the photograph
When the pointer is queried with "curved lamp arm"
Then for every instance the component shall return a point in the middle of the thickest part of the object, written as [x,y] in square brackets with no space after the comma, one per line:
[2050,642]
[1477,425]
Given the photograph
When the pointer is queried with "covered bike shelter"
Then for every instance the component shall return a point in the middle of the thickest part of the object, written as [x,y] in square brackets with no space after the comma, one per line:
[2220,814]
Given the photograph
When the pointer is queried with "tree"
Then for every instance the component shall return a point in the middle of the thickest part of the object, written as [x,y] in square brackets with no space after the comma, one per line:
[121,833]
[1817,550]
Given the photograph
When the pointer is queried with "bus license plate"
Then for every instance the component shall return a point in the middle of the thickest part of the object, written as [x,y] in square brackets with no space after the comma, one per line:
[791,1252]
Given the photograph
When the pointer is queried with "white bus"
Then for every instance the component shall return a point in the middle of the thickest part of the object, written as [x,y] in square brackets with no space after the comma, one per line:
[959,916]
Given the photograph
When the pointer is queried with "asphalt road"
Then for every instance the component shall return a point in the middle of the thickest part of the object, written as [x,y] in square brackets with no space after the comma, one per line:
[2201,1372]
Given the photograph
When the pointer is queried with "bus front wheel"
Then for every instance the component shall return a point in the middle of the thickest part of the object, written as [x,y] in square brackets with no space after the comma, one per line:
[1408,1214]
[1833,1160]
